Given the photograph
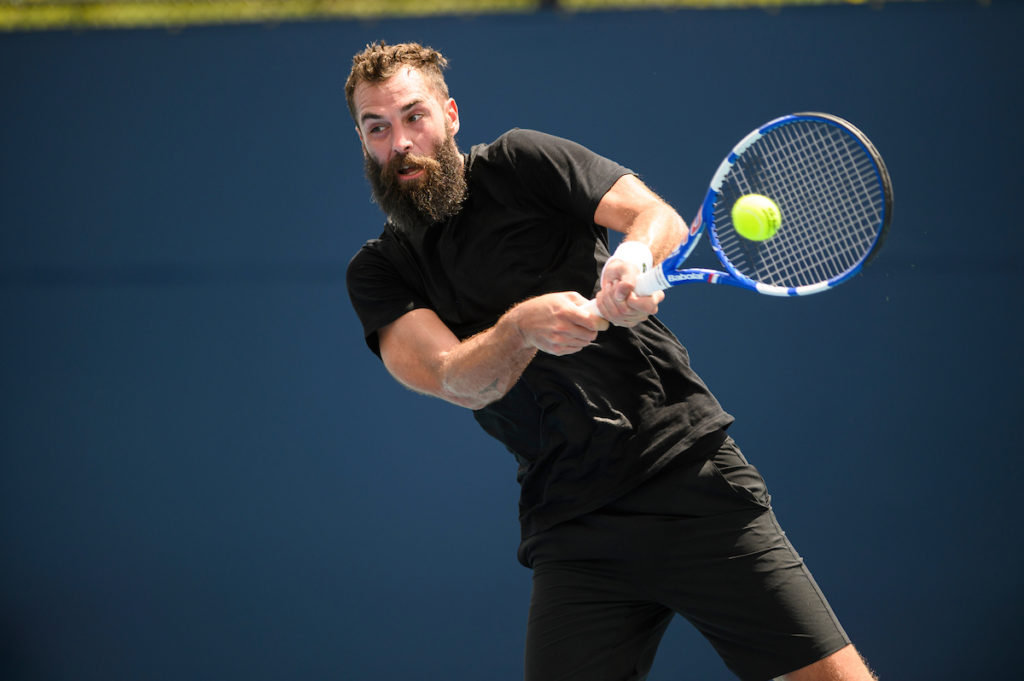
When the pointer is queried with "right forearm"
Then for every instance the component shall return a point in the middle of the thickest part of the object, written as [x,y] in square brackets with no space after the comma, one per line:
[484,367]
[422,353]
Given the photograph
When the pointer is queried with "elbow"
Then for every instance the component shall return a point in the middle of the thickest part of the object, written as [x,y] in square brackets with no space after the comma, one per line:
[468,403]
[470,400]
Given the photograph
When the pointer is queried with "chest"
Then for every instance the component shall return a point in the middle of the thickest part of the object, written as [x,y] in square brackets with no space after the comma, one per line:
[494,255]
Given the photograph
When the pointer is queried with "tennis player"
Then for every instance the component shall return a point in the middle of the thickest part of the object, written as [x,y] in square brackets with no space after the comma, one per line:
[635,503]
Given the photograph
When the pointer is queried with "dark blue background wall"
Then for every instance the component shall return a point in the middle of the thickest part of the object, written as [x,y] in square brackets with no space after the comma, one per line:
[205,475]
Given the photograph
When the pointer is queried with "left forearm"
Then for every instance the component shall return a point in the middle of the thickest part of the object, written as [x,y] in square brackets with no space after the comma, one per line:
[641,215]
[636,211]
[658,227]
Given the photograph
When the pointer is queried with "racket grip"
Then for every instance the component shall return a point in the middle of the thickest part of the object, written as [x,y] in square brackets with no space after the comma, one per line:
[646,284]
[651,281]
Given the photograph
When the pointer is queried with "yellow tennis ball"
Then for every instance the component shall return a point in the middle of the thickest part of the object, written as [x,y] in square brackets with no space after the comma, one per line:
[756,217]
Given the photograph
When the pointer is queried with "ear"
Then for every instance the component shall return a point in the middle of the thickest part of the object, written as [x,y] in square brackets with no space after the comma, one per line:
[362,142]
[451,111]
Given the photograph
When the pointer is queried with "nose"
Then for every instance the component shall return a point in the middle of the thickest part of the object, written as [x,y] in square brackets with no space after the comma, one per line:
[401,143]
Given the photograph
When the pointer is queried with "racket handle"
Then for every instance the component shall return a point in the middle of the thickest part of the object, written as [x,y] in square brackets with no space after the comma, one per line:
[651,281]
[647,284]
[591,307]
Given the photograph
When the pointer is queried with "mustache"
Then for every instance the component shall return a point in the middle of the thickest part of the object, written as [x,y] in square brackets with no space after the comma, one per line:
[435,195]
[392,170]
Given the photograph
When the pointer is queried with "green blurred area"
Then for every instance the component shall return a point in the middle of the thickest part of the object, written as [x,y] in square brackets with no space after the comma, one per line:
[36,15]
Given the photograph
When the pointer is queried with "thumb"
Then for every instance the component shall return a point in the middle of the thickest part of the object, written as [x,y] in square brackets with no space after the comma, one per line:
[622,290]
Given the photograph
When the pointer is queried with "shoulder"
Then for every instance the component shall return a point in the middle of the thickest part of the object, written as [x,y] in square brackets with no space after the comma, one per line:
[532,154]
[375,257]
[368,252]
[520,141]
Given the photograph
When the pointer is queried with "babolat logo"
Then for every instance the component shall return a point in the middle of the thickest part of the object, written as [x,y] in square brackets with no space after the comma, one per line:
[688,276]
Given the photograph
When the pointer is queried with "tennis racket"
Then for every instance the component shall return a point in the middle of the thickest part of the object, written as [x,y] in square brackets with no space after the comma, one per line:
[835,197]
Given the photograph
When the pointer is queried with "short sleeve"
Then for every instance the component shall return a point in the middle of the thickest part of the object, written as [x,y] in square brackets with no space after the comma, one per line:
[379,290]
[564,174]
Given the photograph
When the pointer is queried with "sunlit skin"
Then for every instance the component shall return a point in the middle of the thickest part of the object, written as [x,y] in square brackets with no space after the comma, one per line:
[404,119]
[403,115]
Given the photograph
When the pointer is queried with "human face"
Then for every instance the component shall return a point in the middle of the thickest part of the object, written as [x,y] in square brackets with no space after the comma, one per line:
[435,196]
[403,115]
[415,185]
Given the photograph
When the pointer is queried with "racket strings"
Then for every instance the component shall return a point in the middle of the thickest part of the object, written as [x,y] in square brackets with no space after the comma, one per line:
[827,188]
[802,255]
[806,255]
[825,252]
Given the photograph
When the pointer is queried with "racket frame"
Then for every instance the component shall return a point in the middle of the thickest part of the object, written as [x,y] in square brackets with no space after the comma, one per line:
[669,272]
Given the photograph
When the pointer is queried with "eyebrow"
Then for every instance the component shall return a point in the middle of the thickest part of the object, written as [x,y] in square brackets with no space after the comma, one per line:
[374,117]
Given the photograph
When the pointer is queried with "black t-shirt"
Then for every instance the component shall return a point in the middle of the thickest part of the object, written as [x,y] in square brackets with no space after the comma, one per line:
[585,428]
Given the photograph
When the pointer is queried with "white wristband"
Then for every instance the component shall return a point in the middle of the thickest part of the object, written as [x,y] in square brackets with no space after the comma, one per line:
[635,253]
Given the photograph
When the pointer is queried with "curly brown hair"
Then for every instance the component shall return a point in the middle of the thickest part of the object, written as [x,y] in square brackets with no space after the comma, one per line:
[379,61]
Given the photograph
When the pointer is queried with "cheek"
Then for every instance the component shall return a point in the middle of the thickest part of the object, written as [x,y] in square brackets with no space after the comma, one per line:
[376,151]
[382,159]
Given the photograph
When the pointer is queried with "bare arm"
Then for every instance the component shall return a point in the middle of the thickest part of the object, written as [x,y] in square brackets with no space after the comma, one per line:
[423,354]
[633,209]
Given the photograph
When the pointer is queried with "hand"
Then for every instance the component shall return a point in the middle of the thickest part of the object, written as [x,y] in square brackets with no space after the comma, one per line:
[617,302]
[556,323]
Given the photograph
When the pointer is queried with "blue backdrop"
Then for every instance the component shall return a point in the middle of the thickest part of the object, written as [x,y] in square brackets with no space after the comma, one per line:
[205,474]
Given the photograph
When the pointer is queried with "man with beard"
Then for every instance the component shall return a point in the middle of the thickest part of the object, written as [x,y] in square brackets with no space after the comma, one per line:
[634,504]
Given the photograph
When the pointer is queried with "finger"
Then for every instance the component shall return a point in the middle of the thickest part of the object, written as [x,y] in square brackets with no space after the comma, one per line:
[646,304]
[577,334]
[621,291]
[559,349]
[576,298]
[612,311]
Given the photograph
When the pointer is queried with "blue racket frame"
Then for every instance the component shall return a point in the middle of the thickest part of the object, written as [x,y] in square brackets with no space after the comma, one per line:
[669,272]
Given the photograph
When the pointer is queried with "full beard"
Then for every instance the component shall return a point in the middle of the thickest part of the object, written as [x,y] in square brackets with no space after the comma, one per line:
[416,204]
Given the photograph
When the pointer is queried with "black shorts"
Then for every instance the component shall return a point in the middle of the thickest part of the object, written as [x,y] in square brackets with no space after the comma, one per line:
[699,540]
